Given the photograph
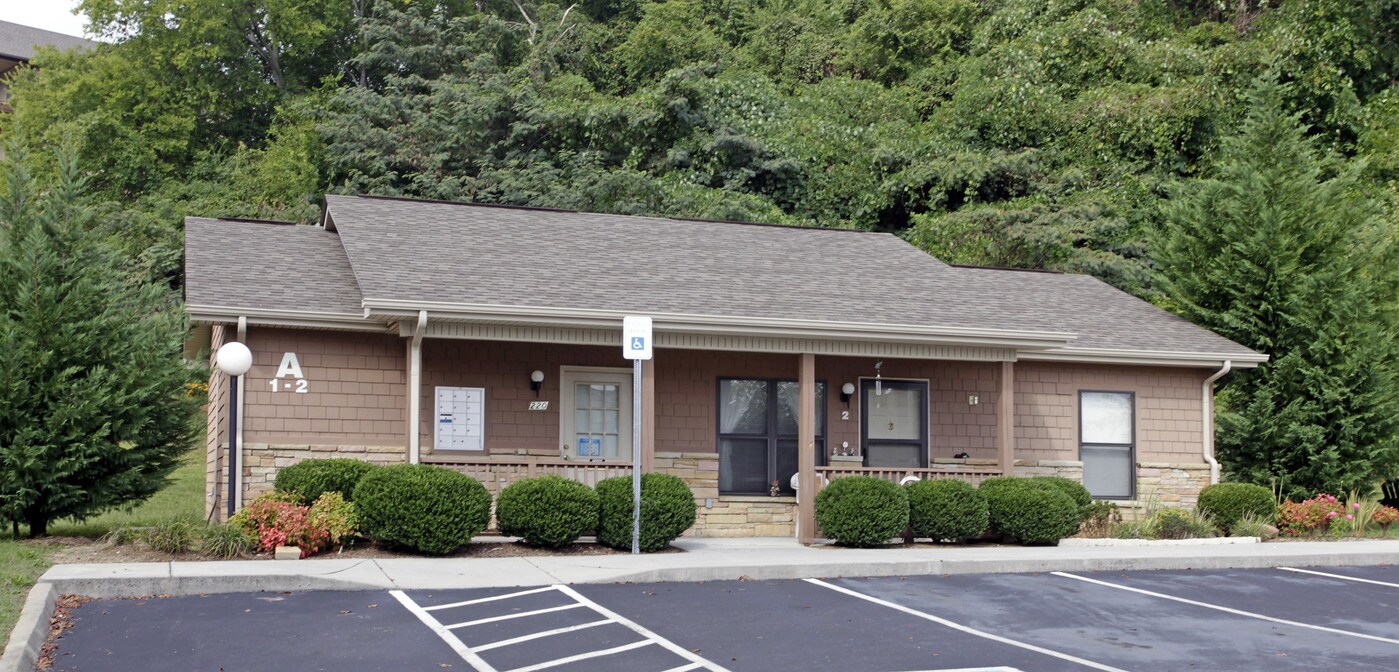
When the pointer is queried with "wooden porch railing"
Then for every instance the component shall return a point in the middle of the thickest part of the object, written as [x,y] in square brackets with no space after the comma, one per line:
[496,474]
[896,474]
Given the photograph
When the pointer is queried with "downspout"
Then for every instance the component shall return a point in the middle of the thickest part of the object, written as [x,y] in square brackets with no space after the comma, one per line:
[1207,399]
[242,338]
[415,391]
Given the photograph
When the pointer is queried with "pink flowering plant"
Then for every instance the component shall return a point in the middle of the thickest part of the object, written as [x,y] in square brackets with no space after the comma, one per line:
[1311,516]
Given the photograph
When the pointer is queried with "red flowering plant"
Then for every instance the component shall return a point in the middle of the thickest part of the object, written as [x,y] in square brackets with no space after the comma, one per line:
[1311,516]
[1384,517]
[275,521]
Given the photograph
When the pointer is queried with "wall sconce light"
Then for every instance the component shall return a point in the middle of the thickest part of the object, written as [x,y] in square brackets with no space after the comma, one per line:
[845,391]
[536,381]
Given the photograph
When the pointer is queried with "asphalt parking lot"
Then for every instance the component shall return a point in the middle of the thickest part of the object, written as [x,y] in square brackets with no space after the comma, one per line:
[1268,619]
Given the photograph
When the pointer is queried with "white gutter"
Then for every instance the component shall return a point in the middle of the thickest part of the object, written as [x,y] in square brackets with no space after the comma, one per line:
[415,392]
[242,399]
[283,318]
[1207,399]
[1145,357]
[721,324]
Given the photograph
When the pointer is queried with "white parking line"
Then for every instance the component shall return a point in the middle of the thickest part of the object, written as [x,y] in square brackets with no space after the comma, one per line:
[507,617]
[462,650]
[472,655]
[1227,610]
[1339,576]
[968,630]
[644,632]
[493,598]
[584,656]
[538,635]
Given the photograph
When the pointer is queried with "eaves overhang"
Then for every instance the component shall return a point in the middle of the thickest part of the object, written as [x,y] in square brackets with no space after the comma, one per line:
[304,319]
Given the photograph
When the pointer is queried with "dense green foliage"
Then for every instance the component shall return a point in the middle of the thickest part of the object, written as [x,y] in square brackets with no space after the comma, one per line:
[1031,510]
[1283,250]
[1179,524]
[861,511]
[422,507]
[94,406]
[309,479]
[547,511]
[1228,503]
[667,510]
[946,509]
[1026,133]
[1073,489]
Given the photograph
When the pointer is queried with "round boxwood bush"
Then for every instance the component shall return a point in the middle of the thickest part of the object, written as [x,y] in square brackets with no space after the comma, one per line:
[1228,503]
[422,507]
[667,510]
[1036,514]
[547,511]
[861,510]
[309,479]
[946,509]
[999,491]
[1073,489]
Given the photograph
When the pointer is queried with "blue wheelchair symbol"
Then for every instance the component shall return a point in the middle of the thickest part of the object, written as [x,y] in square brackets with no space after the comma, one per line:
[638,343]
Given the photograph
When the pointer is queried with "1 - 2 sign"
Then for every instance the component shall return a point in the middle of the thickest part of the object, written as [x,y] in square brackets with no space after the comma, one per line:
[301,385]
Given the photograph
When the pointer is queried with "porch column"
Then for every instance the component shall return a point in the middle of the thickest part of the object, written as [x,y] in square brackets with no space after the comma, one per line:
[648,415]
[1005,418]
[415,389]
[806,449]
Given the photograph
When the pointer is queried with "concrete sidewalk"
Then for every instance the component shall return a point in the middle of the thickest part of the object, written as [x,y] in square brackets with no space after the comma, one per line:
[702,560]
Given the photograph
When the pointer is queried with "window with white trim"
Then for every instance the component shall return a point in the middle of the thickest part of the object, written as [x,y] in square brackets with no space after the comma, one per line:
[1107,443]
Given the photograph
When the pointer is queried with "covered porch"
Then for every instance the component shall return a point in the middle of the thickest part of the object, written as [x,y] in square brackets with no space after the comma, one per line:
[747,423]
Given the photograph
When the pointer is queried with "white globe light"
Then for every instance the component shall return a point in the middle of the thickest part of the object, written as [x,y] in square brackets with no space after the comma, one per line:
[234,358]
[537,376]
[848,388]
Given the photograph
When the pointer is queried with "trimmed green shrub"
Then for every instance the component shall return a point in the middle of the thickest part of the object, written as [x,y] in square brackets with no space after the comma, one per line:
[1073,489]
[422,507]
[946,509]
[1228,503]
[1031,510]
[667,510]
[309,479]
[861,510]
[548,511]
[1179,524]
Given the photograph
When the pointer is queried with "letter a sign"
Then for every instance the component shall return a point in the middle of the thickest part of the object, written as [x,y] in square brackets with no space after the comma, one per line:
[636,337]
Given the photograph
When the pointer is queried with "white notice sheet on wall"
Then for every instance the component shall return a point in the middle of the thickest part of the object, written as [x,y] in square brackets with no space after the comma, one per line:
[461,418]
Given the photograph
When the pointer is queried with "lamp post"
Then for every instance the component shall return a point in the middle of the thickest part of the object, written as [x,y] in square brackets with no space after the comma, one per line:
[234,359]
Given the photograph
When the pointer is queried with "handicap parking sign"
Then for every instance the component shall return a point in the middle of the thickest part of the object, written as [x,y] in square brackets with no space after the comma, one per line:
[636,337]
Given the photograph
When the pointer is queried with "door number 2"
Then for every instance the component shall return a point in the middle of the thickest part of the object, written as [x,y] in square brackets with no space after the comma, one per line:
[845,415]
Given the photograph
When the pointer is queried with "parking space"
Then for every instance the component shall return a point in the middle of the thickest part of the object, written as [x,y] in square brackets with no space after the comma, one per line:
[1269,619]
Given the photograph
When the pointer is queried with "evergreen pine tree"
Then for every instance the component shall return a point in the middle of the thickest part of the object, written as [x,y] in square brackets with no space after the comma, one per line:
[94,405]
[1280,249]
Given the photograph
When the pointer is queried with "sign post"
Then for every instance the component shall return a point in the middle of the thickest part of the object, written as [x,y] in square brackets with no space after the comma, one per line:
[636,346]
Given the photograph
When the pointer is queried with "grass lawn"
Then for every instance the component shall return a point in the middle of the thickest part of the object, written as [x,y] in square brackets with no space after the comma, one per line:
[21,564]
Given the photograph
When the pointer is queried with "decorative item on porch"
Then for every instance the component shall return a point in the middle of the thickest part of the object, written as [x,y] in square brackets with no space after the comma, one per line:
[774,489]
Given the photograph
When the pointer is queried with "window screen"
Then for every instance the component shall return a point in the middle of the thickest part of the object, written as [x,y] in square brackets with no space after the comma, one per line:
[1107,443]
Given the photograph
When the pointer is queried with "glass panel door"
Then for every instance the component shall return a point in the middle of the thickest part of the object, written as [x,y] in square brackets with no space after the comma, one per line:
[595,414]
[894,423]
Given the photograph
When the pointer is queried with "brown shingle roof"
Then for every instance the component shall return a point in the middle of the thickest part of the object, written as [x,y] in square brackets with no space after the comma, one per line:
[267,266]
[411,252]
[17,42]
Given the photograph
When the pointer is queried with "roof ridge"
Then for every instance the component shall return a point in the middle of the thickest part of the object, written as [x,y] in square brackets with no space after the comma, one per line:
[508,206]
[975,267]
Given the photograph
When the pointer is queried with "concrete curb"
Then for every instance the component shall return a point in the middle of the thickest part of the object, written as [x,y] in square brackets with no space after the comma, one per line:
[31,631]
[1211,541]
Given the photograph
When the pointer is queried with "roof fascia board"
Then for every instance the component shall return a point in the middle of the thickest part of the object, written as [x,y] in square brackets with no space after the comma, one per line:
[285,318]
[1145,357]
[712,324]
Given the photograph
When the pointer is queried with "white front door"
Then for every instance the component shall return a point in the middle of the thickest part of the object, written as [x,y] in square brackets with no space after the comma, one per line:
[595,413]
